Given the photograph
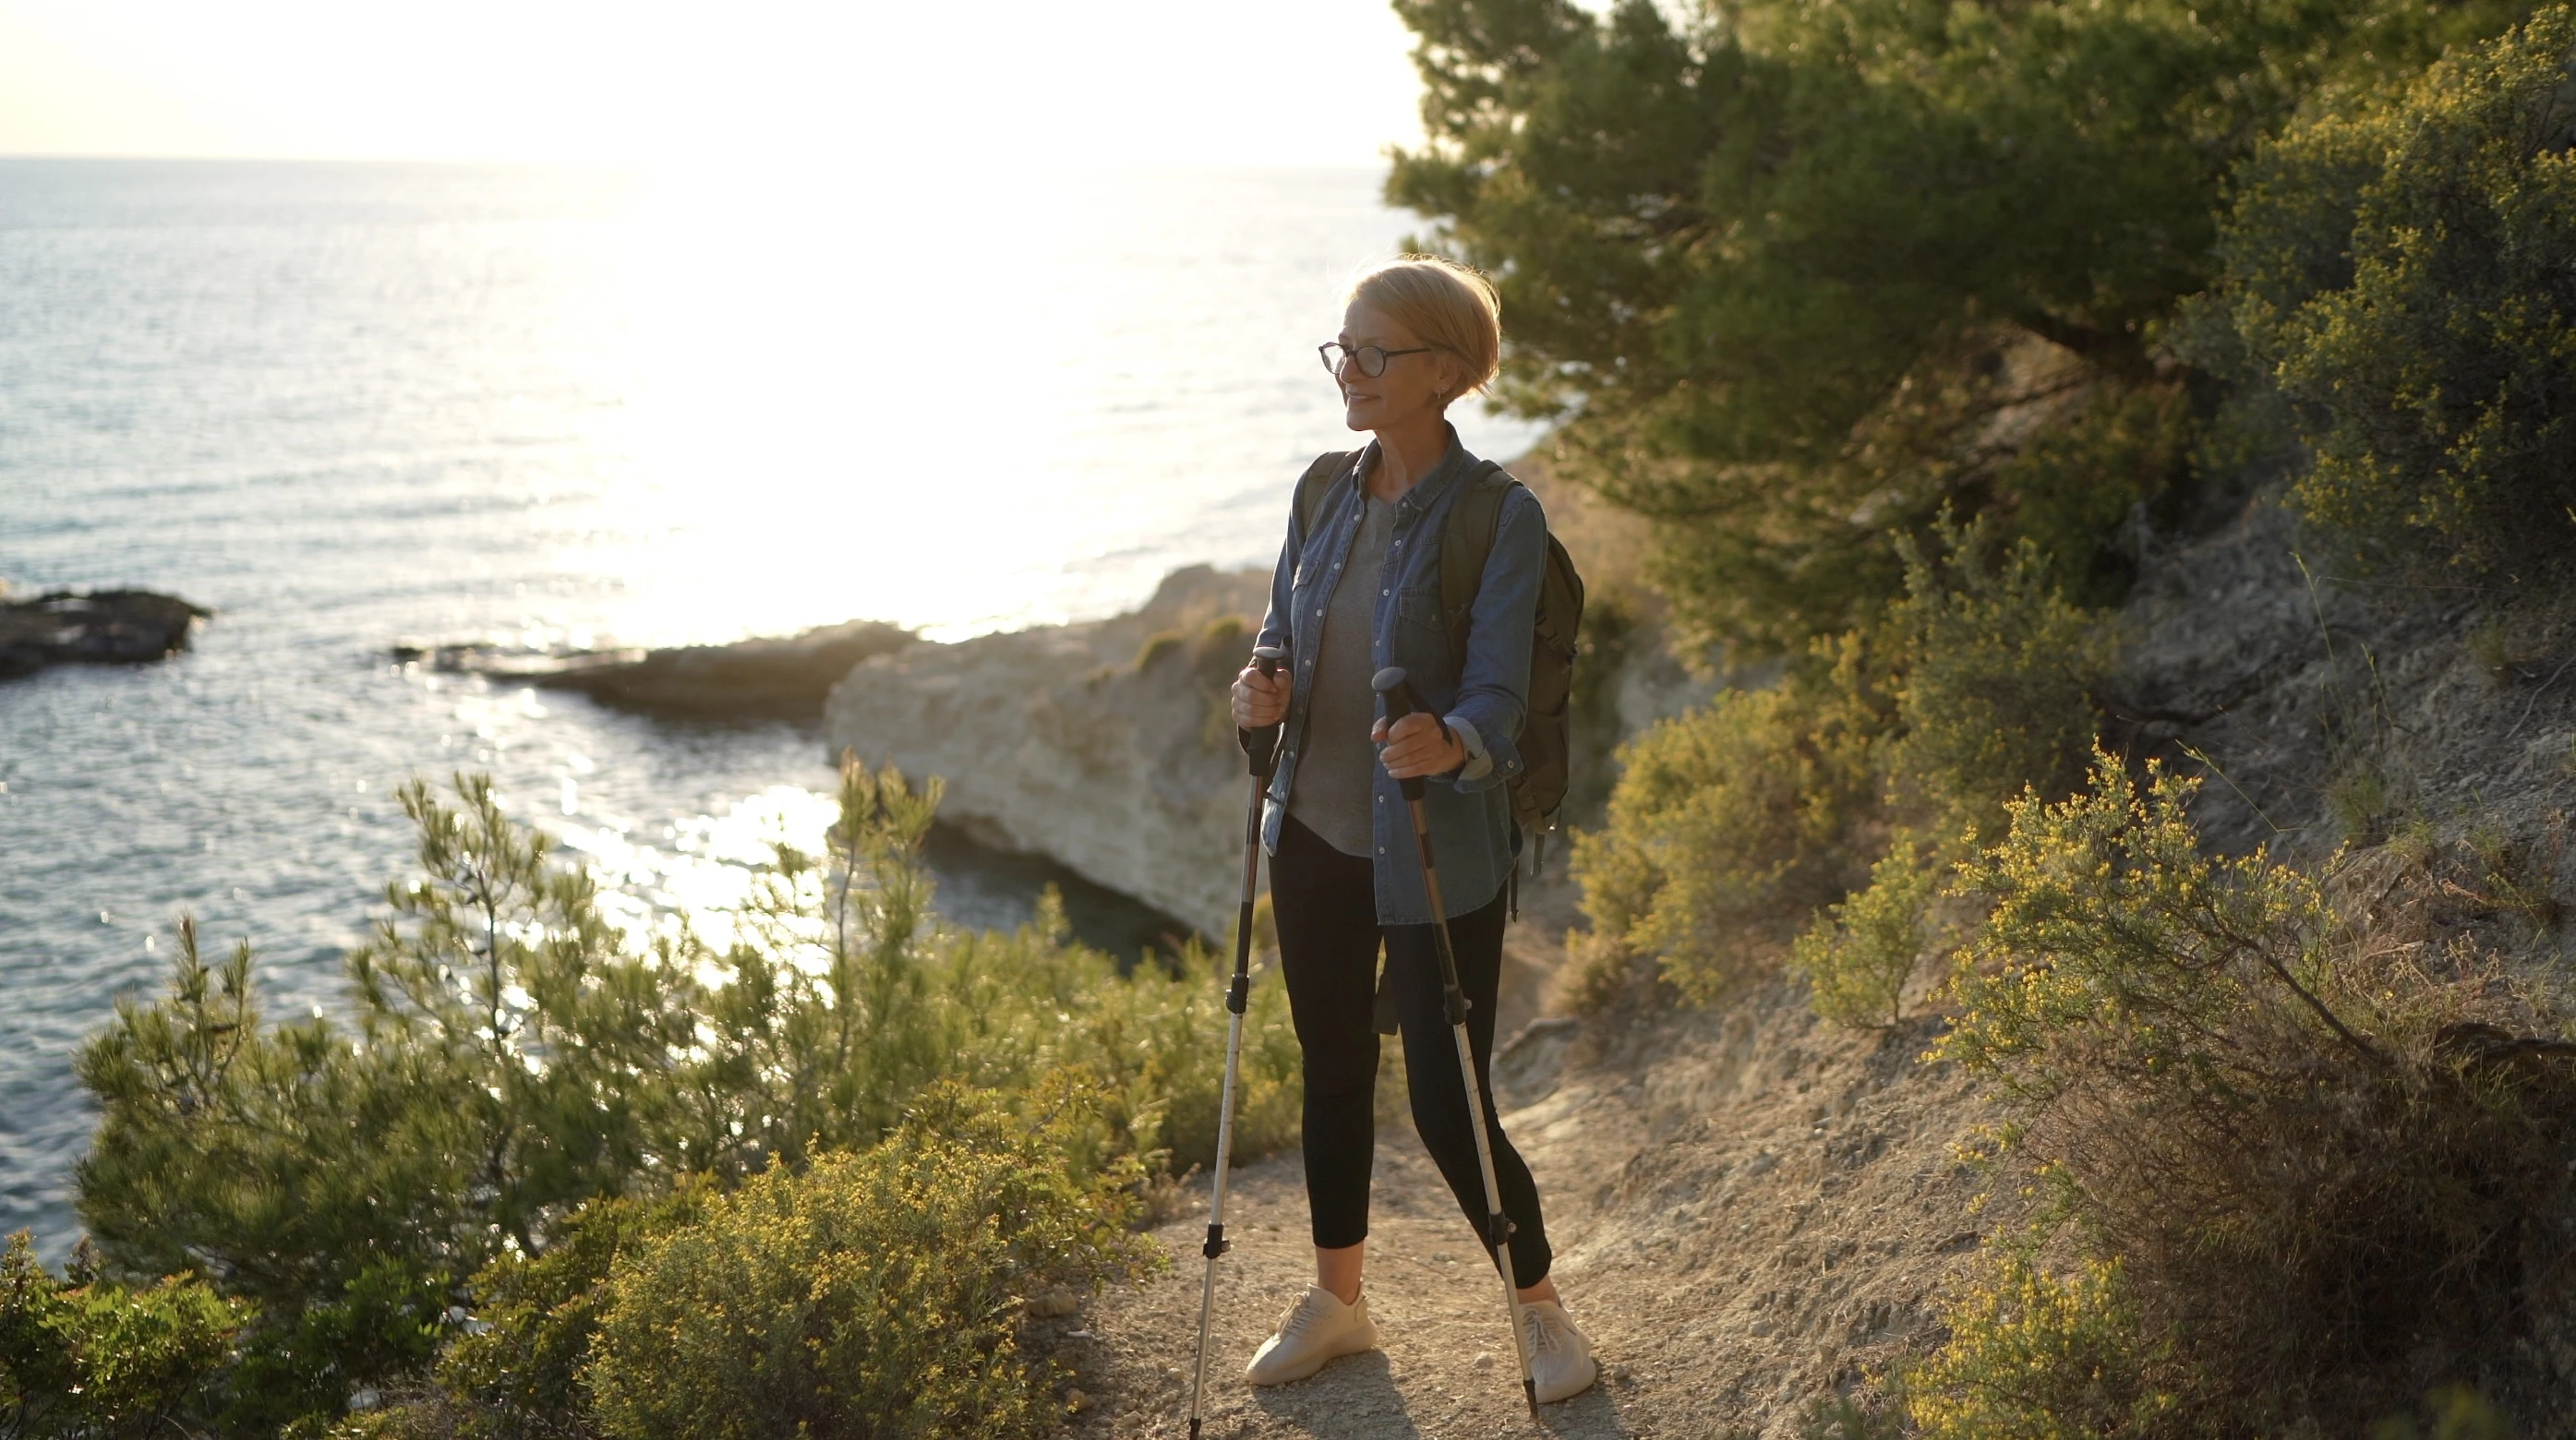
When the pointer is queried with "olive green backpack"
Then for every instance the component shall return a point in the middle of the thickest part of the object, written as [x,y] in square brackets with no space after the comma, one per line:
[1538,792]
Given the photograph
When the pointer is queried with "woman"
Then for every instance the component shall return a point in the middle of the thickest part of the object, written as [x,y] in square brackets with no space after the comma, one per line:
[1357,589]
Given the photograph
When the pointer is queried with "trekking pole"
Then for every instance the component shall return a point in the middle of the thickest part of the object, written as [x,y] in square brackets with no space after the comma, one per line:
[1391,685]
[1261,747]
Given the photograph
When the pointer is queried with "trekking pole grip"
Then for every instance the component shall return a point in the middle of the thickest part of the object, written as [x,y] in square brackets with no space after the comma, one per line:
[1396,689]
[1261,746]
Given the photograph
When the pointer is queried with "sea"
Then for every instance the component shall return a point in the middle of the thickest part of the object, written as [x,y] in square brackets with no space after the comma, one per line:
[349,407]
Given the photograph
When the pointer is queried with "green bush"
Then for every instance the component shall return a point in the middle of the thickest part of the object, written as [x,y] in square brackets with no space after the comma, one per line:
[293,1372]
[1734,825]
[1159,646]
[2072,489]
[1729,825]
[2318,1142]
[1858,955]
[2403,267]
[2453,1413]
[512,1060]
[515,1374]
[285,1161]
[1995,700]
[875,1294]
[1998,689]
[2035,1356]
[82,1359]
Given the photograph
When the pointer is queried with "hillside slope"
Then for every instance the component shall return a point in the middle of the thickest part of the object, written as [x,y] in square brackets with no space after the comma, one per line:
[1756,1212]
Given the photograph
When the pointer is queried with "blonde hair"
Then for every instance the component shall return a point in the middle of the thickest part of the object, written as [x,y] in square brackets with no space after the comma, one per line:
[1449,305]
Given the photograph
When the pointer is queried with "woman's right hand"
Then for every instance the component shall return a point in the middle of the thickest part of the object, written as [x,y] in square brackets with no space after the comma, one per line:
[1260,701]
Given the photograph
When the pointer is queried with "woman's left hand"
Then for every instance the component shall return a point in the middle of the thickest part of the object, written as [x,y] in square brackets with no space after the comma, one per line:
[1418,745]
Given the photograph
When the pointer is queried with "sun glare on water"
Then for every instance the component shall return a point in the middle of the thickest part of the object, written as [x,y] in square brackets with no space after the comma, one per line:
[896,398]
[859,413]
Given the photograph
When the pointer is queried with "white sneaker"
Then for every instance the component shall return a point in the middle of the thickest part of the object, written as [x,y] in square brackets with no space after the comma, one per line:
[1560,1358]
[1318,1328]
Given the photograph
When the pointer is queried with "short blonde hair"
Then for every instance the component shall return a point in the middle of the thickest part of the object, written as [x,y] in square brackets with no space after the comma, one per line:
[1447,304]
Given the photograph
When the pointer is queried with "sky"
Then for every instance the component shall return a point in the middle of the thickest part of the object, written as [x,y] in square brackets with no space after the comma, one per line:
[954,83]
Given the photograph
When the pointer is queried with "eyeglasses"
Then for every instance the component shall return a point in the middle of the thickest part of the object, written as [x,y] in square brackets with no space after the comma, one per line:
[1371,359]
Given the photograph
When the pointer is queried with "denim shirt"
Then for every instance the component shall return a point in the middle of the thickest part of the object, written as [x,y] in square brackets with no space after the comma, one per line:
[1484,694]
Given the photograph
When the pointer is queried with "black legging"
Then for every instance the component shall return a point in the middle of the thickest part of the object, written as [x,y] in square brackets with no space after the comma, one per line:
[1326,903]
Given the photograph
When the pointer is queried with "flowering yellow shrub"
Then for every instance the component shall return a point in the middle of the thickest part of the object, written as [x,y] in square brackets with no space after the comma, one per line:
[2035,1356]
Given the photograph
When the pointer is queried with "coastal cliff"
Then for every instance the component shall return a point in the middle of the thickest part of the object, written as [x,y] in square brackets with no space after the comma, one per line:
[1105,746]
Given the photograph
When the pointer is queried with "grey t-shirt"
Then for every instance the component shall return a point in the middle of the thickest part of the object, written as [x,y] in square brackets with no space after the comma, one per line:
[1331,793]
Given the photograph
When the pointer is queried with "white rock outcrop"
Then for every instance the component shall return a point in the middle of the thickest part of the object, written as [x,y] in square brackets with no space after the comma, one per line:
[1105,746]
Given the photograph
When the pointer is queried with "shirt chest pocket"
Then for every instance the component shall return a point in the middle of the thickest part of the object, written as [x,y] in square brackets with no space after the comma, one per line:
[1307,583]
[1421,640]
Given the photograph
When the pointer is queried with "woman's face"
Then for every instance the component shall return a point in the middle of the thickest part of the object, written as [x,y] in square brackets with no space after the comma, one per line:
[1413,385]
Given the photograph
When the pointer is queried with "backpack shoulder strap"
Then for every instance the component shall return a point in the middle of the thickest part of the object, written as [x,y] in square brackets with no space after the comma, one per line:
[1319,477]
[1468,541]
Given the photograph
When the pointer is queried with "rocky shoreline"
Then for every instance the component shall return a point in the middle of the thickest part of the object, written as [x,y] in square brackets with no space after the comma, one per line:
[759,679]
[98,627]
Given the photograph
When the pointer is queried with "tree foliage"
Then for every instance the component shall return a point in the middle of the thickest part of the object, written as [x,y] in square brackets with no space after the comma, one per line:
[1804,273]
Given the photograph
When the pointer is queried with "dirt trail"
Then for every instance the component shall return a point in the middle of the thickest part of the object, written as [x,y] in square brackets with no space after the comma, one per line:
[1446,1366]
[1750,1211]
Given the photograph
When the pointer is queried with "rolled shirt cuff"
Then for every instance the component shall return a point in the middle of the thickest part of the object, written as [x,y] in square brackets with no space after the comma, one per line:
[1479,762]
